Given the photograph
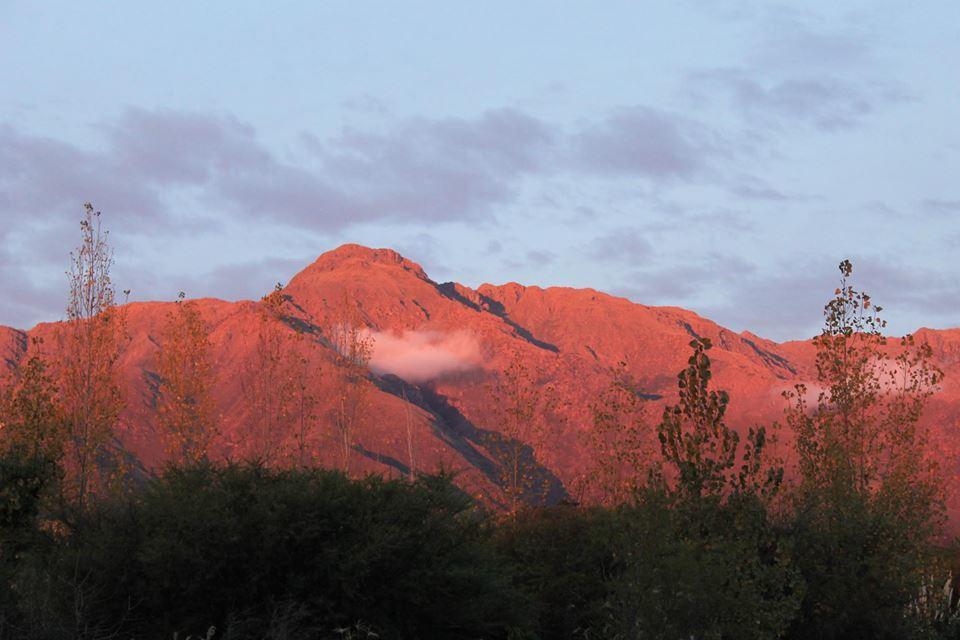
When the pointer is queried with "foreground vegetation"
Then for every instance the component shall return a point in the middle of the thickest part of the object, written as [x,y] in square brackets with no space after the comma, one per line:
[246,552]
[685,529]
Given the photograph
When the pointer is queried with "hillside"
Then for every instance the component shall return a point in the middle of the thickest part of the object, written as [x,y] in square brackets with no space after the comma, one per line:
[439,349]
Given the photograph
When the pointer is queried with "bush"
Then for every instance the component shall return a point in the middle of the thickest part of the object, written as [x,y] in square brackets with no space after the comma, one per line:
[24,480]
[704,569]
[286,554]
[661,568]
[564,560]
[863,568]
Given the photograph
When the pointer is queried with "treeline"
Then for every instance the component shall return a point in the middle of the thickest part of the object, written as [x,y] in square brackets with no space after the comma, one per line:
[247,552]
[829,525]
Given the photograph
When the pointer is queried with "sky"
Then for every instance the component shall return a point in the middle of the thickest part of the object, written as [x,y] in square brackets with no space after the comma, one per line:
[721,156]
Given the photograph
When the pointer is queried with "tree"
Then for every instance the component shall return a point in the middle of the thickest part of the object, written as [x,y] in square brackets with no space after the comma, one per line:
[621,442]
[700,448]
[863,434]
[305,410]
[279,382]
[353,347]
[31,448]
[868,506]
[24,480]
[702,556]
[280,553]
[521,398]
[268,384]
[694,437]
[91,341]
[410,439]
[30,419]
[185,407]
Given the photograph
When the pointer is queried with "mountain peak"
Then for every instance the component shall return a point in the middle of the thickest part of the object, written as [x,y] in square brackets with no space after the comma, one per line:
[348,255]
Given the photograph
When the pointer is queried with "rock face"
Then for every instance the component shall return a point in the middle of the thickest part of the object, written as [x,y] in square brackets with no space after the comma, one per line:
[439,350]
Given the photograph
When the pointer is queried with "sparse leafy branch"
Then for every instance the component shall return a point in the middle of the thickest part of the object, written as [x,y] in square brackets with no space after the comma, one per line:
[522,400]
[185,407]
[868,506]
[702,450]
[305,410]
[621,442]
[694,437]
[30,419]
[91,342]
[354,348]
[271,384]
[863,433]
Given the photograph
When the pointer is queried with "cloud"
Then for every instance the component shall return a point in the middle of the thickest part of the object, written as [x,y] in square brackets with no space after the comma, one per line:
[899,287]
[753,189]
[540,257]
[418,356]
[164,175]
[366,104]
[418,169]
[786,301]
[624,245]
[167,147]
[51,179]
[160,168]
[675,216]
[823,101]
[941,206]
[793,40]
[779,302]
[684,281]
[643,141]
[24,301]
[433,169]
[802,68]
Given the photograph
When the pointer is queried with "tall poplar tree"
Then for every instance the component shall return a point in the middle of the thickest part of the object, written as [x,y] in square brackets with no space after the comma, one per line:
[622,442]
[185,408]
[270,384]
[354,348]
[862,435]
[868,506]
[91,341]
[522,399]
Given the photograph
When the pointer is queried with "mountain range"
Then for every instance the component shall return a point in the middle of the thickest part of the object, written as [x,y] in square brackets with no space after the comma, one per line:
[439,353]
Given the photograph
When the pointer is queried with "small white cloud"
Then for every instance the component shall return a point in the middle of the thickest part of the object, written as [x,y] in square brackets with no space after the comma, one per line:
[417,356]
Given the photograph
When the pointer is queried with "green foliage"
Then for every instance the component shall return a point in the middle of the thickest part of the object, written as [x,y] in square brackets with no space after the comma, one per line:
[867,511]
[564,559]
[863,569]
[656,569]
[31,420]
[24,478]
[253,552]
[704,569]
[694,438]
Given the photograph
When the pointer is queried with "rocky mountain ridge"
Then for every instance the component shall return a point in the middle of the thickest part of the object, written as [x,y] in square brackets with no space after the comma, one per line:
[439,349]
